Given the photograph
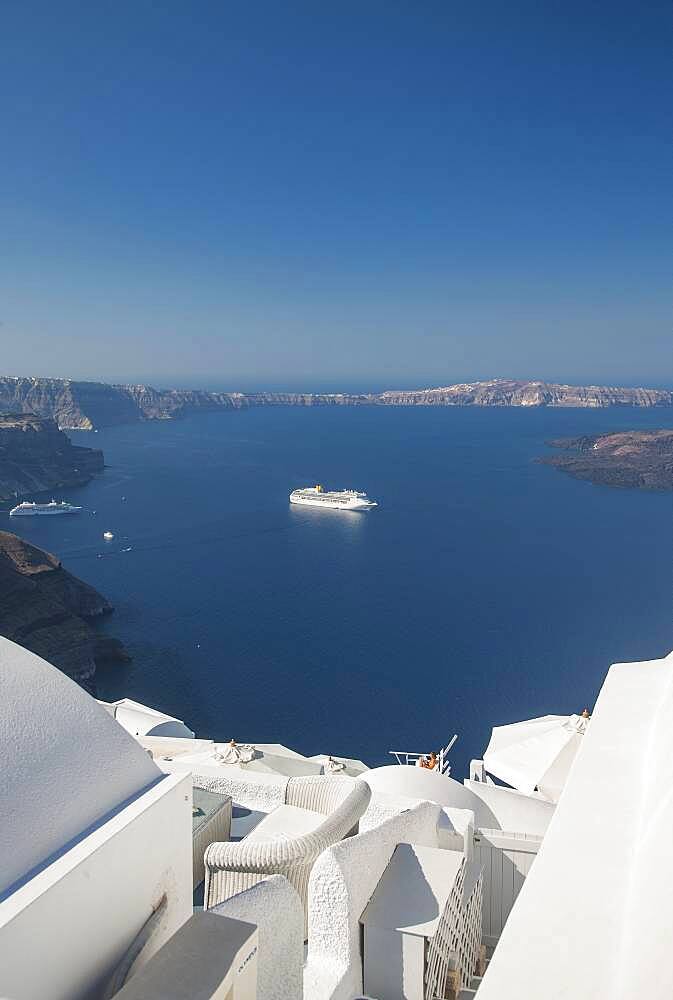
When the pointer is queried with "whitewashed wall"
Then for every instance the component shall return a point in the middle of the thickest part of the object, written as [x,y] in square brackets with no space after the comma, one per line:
[512,809]
[65,763]
[455,829]
[63,932]
[594,919]
[254,790]
[341,884]
[275,908]
[645,968]
[506,860]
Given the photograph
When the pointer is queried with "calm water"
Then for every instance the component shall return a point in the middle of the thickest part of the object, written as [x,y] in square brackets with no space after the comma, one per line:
[484,589]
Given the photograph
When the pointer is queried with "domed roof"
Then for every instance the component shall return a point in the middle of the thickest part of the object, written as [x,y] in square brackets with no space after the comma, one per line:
[494,806]
[66,763]
[421,783]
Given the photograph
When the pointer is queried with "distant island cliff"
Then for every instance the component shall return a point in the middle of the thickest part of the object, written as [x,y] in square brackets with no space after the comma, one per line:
[35,457]
[89,405]
[47,610]
[630,459]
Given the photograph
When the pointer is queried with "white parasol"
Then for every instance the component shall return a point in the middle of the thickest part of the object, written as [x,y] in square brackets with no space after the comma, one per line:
[536,754]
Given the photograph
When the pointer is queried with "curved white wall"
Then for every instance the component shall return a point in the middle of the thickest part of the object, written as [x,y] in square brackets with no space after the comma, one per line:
[65,762]
[514,811]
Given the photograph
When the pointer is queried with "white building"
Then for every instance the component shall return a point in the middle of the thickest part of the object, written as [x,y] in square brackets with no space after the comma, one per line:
[594,920]
[96,833]
[93,837]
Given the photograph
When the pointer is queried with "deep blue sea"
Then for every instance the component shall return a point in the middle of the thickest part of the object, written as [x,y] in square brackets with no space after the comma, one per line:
[484,589]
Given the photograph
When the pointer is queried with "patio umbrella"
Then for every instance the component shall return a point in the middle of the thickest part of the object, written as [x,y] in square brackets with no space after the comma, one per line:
[536,753]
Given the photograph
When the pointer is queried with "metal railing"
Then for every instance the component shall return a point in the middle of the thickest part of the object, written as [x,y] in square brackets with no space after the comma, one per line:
[412,757]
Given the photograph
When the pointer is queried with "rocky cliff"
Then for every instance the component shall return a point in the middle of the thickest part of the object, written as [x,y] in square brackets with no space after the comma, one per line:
[636,459]
[35,456]
[47,610]
[87,405]
[505,392]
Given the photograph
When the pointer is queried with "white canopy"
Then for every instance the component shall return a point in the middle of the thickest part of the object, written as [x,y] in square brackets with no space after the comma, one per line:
[536,753]
[141,720]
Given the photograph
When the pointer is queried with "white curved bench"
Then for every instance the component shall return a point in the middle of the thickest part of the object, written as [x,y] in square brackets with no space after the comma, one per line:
[337,803]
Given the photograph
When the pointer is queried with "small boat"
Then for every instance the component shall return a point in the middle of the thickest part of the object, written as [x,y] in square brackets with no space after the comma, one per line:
[108,536]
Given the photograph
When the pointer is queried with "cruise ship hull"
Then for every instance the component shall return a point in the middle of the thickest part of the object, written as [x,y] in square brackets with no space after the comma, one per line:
[335,504]
[315,496]
[44,513]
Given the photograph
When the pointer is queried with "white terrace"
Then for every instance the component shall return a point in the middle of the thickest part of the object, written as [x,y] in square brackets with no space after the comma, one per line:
[323,879]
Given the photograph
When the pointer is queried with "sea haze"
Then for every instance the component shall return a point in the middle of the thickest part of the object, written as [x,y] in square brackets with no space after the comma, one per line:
[484,589]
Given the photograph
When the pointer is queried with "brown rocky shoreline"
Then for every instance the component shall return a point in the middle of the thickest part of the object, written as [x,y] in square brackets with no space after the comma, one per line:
[49,611]
[36,457]
[628,459]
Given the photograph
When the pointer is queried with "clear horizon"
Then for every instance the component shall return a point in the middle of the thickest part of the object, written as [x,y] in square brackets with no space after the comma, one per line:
[337,196]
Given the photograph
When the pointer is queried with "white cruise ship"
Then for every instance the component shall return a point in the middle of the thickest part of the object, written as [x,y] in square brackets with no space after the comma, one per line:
[27,509]
[316,496]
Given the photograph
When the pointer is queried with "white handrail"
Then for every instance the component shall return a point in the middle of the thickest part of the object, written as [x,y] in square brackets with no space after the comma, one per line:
[411,757]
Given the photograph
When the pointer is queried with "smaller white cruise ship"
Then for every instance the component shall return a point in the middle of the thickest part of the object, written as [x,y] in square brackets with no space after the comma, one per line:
[316,496]
[27,509]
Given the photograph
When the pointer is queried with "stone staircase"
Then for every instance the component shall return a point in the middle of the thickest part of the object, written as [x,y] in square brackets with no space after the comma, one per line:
[468,992]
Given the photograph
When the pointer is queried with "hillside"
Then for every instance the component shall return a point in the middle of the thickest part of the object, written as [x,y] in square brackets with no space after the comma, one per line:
[47,610]
[35,457]
[632,459]
[87,405]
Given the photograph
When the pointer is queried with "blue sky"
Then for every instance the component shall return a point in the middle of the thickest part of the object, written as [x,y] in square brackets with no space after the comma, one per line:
[373,192]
